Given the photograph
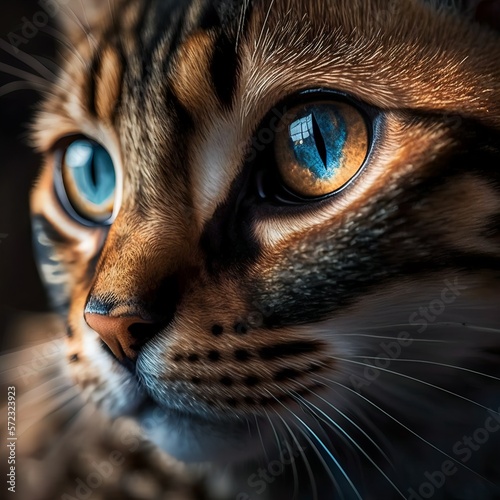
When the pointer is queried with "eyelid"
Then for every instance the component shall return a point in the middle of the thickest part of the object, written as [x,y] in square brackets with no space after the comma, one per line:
[58,155]
[372,116]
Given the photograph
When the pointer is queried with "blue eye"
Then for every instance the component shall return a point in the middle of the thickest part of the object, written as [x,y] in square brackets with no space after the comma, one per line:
[89,180]
[321,148]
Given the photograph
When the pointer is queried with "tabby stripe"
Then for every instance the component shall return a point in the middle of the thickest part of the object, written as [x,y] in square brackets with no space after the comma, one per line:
[139,30]
[209,18]
[175,39]
[183,115]
[95,69]
[124,65]
[224,69]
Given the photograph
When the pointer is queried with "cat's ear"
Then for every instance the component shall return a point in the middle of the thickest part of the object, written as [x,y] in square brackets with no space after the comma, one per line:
[80,16]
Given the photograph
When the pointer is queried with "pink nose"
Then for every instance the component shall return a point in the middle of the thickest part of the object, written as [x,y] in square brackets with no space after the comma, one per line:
[120,334]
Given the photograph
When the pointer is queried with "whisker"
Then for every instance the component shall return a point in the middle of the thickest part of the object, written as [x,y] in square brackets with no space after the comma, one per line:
[367,436]
[29,77]
[323,462]
[314,487]
[20,85]
[435,363]
[315,409]
[280,449]
[64,40]
[264,24]
[241,22]
[402,375]
[86,32]
[325,448]
[29,60]
[261,439]
[405,427]
[389,337]
[368,423]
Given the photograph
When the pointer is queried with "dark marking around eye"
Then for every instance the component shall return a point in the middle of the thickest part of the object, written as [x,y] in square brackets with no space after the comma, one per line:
[69,331]
[287,349]
[242,355]
[224,69]
[193,358]
[214,356]
[217,330]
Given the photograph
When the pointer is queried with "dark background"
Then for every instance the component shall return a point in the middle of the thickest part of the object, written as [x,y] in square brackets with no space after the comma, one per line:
[20,289]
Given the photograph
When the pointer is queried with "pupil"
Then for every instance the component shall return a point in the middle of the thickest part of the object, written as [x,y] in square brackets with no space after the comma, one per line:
[320,141]
[93,173]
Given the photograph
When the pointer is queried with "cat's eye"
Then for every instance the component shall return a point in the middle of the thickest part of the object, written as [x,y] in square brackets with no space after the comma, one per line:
[86,184]
[320,147]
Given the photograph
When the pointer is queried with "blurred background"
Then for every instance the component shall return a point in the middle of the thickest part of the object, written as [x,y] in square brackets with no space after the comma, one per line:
[20,289]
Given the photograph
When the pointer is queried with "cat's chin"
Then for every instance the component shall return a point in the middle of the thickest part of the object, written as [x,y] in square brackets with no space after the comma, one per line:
[191,438]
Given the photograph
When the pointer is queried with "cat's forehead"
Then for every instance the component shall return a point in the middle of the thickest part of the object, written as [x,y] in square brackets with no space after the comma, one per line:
[393,54]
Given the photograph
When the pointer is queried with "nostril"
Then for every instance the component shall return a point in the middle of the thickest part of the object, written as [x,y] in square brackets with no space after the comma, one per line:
[124,335]
[142,332]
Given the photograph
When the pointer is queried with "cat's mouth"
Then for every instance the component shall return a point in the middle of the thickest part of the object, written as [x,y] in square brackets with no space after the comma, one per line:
[179,423]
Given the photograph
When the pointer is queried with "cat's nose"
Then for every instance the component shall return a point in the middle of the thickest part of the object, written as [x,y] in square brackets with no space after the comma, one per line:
[123,335]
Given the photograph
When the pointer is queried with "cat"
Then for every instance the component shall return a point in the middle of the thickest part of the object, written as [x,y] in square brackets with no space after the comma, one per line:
[273,230]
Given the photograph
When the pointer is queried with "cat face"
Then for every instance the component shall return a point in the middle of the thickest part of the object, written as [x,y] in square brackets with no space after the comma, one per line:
[244,202]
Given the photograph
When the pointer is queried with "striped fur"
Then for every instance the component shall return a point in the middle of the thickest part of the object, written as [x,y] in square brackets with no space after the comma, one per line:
[270,309]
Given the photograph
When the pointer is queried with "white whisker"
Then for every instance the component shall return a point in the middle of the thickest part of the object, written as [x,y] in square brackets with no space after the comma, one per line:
[29,60]
[435,363]
[310,473]
[331,421]
[402,375]
[325,448]
[394,419]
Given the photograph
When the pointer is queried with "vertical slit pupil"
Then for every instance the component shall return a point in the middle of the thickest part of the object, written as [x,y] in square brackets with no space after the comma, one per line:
[320,141]
[93,172]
